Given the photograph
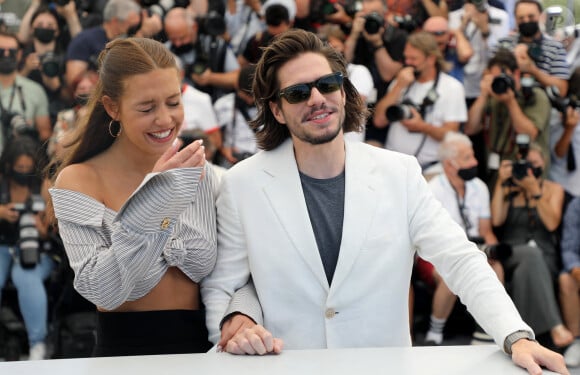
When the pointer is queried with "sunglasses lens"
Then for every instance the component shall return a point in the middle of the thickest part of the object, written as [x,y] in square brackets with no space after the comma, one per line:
[301,92]
[329,83]
[297,93]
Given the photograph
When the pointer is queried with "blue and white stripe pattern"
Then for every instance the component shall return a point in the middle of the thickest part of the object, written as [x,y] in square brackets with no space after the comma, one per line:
[169,220]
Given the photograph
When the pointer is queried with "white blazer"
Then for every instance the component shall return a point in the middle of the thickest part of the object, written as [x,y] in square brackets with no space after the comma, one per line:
[389,212]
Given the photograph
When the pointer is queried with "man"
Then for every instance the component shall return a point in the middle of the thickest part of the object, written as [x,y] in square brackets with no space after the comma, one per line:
[466,198]
[437,103]
[504,110]
[453,44]
[120,18]
[23,102]
[234,112]
[212,66]
[277,20]
[542,58]
[379,48]
[482,25]
[328,229]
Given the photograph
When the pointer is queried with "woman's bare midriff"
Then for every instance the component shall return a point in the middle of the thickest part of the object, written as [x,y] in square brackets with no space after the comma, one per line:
[175,291]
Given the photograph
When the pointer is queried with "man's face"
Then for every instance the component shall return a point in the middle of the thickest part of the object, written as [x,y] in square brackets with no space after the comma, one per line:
[317,120]
[123,26]
[369,6]
[417,59]
[526,12]
[465,157]
[9,55]
[180,34]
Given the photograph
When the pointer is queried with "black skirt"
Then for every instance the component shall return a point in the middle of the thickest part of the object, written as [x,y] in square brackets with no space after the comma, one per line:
[151,332]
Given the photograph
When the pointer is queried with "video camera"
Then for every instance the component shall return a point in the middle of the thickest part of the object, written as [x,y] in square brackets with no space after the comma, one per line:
[29,241]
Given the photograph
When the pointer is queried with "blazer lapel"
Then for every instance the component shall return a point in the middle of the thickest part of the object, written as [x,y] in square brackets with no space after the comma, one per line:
[360,204]
[286,197]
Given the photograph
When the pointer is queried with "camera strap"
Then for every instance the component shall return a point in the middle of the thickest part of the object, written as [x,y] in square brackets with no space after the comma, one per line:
[462,209]
[10,102]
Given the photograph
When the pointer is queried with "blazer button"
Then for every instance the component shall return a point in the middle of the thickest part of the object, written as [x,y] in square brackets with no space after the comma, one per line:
[330,313]
[165,223]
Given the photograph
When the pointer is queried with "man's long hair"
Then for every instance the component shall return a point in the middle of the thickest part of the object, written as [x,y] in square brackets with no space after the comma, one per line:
[288,46]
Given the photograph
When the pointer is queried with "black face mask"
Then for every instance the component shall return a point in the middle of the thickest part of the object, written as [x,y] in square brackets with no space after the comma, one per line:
[131,31]
[183,49]
[529,29]
[82,99]
[23,179]
[43,35]
[467,174]
[8,64]
[416,73]
[537,171]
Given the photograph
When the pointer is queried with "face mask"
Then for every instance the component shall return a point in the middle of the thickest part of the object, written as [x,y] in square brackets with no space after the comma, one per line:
[82,99]
[537,171]
[183,49]
[467,174]
[8,64]
[23,179]
[43,35]
[529,29]
[131,31]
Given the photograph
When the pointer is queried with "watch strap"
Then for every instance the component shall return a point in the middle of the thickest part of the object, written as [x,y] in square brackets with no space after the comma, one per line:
[516,336]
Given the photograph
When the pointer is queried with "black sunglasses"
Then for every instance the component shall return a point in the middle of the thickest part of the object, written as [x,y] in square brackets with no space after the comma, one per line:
[301,92]
[11,52]
[438,32]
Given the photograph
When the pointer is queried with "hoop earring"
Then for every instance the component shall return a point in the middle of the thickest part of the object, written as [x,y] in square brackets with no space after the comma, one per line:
[118,131]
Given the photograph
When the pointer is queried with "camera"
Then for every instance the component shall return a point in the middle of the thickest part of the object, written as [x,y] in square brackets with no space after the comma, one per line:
[561,103]
[50,64]
[200,65]
[502,83]
[499,251]
[212,24]
[14,124]
[520,166]
[480,5]
[29,241]
[373,22]
[406,23]
[398,112]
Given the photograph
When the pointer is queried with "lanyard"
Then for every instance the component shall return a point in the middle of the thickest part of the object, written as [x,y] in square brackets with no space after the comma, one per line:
[462,210]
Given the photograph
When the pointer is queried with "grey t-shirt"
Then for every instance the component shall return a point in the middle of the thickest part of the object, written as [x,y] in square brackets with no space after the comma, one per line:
[325,203]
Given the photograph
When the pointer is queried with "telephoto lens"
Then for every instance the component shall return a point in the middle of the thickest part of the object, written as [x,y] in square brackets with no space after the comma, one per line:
[399,112]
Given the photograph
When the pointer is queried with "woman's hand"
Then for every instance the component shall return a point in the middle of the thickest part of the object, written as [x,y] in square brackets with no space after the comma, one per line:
[8,213]
[191,156]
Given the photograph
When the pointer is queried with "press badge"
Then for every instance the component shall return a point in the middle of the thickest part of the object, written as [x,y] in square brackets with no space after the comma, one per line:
[493,161]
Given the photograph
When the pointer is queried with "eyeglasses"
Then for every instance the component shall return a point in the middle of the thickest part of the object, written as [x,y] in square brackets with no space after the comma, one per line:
[438,33]
[11,52]
[301,92]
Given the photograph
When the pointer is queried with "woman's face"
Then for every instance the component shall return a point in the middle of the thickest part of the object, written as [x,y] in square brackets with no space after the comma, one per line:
[150,110]
[45,21]
[535,158]
[23,164]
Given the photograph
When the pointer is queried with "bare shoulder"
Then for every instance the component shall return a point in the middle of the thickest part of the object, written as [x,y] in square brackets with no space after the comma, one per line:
[83,178]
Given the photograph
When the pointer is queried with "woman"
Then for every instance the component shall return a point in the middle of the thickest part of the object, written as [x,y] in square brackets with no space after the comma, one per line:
[529,209]
[135,214]
[19,187]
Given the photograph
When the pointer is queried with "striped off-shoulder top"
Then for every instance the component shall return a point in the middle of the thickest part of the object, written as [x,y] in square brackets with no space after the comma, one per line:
[120,256]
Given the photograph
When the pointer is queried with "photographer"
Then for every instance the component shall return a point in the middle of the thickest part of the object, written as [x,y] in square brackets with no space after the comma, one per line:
[565,141]
[210,63]
[466,198]
[21,259]
[23,102]
[528,209]
[541,57]
[67,17]
[432,103]
[482,25]
[42,59]
[506,108]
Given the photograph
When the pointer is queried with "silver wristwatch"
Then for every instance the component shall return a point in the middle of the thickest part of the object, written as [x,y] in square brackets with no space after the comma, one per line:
[513,337]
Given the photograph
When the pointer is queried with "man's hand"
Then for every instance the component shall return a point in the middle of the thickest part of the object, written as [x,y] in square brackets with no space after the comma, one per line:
[531,355]
[240,335]
[415,124]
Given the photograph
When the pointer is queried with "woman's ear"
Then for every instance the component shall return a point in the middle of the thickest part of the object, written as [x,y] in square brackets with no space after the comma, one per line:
[111,107]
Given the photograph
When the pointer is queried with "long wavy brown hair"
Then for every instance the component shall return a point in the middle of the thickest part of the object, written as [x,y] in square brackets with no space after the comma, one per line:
[287,46]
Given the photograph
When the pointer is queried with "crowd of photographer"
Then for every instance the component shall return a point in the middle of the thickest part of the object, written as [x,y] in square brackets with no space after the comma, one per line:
[498,71]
